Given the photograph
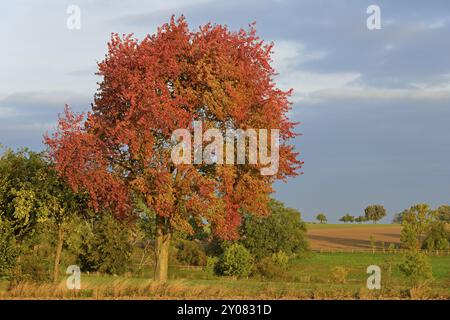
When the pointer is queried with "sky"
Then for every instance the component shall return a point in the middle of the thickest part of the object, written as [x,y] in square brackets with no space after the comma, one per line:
[374,105]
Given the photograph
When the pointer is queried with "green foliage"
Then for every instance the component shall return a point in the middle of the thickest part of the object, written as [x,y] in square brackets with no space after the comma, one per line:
[374,212]
[443,213]
[8,249]
[191,253]
[35,262]
[387,268]
[211,263]
[416,268]
[146,218]
[360,219]
[20,179]
[398,217]
[106,246]
[266,268]
[32,195]
[322,218]
[235,261]
[437,238]
[283,231]
[272,267]
[347,218]
[416,222]
[33,266]
[281,259]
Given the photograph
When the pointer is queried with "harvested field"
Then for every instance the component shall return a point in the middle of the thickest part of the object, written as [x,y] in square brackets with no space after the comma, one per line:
[355,237]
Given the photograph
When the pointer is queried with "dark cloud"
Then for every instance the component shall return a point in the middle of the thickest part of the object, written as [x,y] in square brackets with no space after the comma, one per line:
[26,116]
[408,48]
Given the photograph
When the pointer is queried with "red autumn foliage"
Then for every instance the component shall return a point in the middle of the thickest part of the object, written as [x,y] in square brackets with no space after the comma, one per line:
[162,83]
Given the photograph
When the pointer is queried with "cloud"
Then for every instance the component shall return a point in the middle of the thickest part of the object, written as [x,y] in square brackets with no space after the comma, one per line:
[306,84]
[38,127]
[156,10]
[6,112]
[26,116]
[438,24]
[380,94]
[30,103]
[82,72]
[291,59]
[33,107]
[289,54]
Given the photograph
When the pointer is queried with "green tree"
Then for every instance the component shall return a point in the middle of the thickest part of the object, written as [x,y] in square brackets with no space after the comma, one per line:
[31,193]
[374,212]
[398,217]
[415,267]
[20,178]
[347,218]
[360,219]
[283,231]
[437,238]
[60,205]
[322,218]
[106,245]
[417,221]
[443,213]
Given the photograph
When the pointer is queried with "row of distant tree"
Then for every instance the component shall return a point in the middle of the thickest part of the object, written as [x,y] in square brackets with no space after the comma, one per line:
[376,212]
[372,213]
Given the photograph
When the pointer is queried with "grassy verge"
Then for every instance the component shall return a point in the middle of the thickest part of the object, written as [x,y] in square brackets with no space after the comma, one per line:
[309,277]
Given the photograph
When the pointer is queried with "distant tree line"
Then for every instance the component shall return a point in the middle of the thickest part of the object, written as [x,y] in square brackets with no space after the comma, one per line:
[375,213]
[372,213]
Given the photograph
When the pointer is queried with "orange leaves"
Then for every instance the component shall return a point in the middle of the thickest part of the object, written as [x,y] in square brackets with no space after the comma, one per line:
[80,158]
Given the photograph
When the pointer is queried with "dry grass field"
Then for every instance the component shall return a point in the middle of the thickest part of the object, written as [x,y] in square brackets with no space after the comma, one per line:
[355,236]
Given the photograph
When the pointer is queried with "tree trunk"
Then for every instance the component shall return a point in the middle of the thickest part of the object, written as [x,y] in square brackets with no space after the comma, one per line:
[59,247]
[163,237]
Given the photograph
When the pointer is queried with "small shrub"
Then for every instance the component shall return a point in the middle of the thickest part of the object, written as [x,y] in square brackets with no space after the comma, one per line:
[235,261]
[281,259]
[266,268]
[211,263]
[416,268]
[272,267]
[339,275]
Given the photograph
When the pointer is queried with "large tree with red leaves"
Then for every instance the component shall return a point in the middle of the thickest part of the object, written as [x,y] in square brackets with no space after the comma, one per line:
[121,151]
